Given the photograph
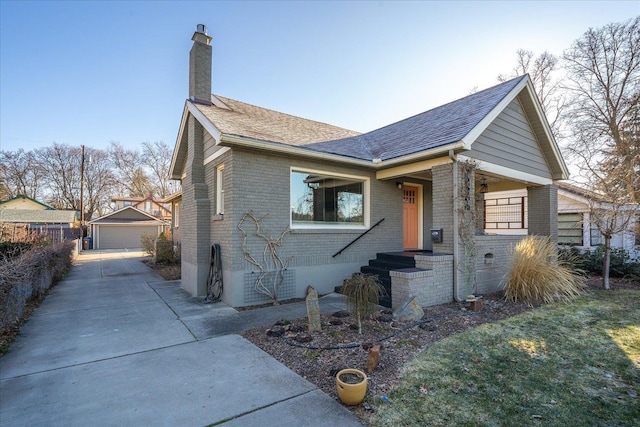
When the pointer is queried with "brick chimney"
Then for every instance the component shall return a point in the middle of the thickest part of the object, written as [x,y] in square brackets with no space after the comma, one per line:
[200,67]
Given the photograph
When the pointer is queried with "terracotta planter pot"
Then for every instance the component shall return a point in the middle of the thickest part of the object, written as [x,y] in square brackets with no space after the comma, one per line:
[351,394]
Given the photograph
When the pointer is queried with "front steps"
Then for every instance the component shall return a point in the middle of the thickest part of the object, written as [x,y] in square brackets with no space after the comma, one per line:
[383,264]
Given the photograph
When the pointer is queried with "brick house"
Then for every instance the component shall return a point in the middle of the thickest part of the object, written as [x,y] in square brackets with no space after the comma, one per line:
[403,201]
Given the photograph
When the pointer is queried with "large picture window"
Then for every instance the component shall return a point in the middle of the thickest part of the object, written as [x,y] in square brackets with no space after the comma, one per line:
[322,199]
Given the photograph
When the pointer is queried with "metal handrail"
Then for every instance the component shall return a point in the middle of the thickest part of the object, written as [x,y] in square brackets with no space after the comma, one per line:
[357,238]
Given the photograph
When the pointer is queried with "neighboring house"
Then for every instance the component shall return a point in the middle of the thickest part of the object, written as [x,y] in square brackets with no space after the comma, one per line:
[24,203]
[174,200]
[22,214]
[329,186]
[156,208]
[506,213]
[123,229]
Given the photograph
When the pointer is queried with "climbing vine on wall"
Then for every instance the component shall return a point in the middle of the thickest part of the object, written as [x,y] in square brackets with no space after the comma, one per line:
[271,267]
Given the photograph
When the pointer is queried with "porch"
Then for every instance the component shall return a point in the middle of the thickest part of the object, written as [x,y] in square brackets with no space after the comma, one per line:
[429,277]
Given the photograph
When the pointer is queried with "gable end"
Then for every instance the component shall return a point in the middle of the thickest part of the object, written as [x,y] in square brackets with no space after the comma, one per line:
[511,141]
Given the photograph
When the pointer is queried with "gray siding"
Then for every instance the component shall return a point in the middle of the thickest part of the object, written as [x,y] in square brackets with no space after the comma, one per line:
[259,182]
[122,236]
[209,145]
[509,141]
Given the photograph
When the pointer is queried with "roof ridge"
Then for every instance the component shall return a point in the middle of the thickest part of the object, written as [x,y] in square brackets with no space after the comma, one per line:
[450,102]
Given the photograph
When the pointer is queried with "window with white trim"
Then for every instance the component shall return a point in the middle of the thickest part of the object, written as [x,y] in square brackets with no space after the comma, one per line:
[176,215]
[220,190]
[321,199]
[570,229]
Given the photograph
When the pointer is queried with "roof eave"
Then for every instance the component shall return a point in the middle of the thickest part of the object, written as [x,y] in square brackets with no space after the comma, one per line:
[175,170]
[122,209]
[457,147]
[563,170]
[174,173]
[301,151]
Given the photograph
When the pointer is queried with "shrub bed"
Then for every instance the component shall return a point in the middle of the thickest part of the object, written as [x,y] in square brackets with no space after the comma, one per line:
[591,262]
[29,276]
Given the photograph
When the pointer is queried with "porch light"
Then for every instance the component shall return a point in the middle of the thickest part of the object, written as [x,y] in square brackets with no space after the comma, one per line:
[484,187]
[399,185]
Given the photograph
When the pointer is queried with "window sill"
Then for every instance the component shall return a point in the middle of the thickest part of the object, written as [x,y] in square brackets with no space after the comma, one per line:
[217,217]
[329,230]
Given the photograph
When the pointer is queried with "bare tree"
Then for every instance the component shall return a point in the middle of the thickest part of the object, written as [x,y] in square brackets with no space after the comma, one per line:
[610,216]
[156,157]
[100,182]
[61,166]
[21,174]
[129,171]
[603,84]
[543,70]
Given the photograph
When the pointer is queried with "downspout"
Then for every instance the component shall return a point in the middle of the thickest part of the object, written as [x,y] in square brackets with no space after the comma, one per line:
[454,159]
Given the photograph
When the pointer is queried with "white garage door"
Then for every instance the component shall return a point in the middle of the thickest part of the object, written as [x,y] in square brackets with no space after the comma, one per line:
[122,236]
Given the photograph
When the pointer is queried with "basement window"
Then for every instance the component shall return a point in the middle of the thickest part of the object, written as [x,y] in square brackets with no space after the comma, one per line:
[328,200]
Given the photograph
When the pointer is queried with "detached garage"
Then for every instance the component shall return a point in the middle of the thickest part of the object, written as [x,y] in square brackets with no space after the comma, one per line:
[123,229]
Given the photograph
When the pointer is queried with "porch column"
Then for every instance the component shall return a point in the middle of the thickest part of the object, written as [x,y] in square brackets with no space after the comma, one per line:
[543,211]
[195,214]
[443,207]
[454,212]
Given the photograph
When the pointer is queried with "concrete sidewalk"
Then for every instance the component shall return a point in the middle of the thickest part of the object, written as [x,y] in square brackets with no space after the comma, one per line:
[114,344]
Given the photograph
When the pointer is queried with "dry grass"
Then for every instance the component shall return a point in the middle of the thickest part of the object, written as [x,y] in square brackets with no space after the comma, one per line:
[558,365]
[537,275]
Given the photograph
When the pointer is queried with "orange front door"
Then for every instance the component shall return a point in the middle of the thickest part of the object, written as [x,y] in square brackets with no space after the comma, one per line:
[410,216]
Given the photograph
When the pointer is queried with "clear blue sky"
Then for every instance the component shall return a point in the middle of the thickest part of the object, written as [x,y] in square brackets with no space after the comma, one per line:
[89,73]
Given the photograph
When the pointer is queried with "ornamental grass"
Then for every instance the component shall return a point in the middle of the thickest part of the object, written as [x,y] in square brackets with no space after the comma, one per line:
[538,275]
[363,292]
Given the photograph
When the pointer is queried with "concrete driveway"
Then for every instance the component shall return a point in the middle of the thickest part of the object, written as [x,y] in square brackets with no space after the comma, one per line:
[113,344]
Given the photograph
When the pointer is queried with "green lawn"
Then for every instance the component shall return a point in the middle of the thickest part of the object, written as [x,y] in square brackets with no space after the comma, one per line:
[560,365]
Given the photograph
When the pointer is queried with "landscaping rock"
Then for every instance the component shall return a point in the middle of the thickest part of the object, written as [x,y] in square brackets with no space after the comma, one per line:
[341,314]
[313,310]
[428,327]
[386,318]
[373,358]
[303,338]
[410,311]
[276,331]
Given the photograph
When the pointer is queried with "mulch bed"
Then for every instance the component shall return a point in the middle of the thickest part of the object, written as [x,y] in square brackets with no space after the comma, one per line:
[339,345]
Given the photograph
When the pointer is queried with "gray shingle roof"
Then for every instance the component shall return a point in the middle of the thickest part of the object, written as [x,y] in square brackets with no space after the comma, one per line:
[128,214]
[261,123]
[32,216]
[440,126]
